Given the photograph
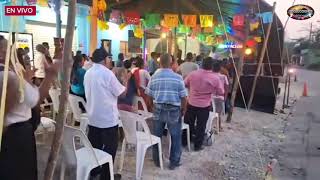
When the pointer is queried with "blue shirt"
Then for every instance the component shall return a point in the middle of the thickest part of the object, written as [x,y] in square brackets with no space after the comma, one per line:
[77,86]
[166,87]
[152,66]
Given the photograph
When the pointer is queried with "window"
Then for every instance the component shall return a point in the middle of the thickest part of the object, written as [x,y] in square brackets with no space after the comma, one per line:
[124,48]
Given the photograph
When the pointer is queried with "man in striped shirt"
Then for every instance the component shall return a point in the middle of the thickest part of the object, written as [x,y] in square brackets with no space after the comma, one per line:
[167,91]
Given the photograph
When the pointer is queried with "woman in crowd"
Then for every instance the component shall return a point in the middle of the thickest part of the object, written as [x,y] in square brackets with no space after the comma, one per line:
[125,102]
[77,77]
[142,77]
[18,158]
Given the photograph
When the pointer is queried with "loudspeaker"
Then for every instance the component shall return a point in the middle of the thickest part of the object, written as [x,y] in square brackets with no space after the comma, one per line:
[265,95]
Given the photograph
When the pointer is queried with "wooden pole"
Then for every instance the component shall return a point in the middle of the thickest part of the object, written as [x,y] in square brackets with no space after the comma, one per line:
[57,6]
[67,64]
[239,68]
[263,51]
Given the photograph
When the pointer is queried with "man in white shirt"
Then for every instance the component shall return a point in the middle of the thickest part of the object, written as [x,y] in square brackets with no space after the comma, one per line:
[188,66]
[102,91]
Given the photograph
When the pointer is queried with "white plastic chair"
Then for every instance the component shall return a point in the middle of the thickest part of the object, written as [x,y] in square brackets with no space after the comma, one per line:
[54,95]
[86,158]
[142,139]
[137,100]
[76,110]
[46,125]
[184,126]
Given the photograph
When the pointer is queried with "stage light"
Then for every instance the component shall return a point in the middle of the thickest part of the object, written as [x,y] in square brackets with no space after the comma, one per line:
[248,51]
[291,70]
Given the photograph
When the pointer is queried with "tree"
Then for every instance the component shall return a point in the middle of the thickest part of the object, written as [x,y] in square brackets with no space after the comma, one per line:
[67,63]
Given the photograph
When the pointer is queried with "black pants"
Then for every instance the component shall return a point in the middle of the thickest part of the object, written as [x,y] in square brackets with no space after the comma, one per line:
[18,156]
[105,139]
[201,115]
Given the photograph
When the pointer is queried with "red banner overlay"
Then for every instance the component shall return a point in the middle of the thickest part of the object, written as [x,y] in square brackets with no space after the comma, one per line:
[20,10]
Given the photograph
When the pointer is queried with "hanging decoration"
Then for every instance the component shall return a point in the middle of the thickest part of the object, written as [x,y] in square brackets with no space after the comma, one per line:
[102,7]
[171,20]
[238,21]
[152,20]
[206,21]
[31,2]
[103,25]
[115,17]
[267,17]
[183,29]
[189,20]
[122,26]
[132,17]
[42,3]
[258,39]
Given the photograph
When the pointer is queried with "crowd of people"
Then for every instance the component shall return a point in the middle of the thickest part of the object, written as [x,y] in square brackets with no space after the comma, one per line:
[173,89]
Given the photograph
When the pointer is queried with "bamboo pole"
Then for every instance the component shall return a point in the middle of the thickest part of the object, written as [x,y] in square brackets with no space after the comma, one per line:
[239,69]
[66,65]
[263,51]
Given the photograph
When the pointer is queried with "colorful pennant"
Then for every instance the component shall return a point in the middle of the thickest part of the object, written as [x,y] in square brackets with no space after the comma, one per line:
[132,17]
[103,25]
[238,21]
[122,26]
[206,21]
[42,3]
[219,29]
[183,29]
[267,17]
[254,25]
[138,32]
[258,39]
[208,30]
[152,20]
[31,2]
[171,20]
[189,20]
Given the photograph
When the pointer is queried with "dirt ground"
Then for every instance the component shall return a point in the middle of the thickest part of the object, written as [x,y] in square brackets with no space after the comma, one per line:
[241,152]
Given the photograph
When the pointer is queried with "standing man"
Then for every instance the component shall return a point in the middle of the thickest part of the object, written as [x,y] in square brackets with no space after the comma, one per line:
[167,91]
[202,84]
[152,64]
[188,66]
[102,91]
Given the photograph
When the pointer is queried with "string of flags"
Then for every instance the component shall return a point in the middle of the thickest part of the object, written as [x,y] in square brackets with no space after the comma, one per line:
[205,27]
